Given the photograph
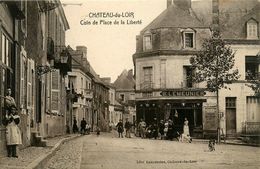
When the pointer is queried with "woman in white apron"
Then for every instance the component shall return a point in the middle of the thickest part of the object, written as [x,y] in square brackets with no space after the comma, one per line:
[13,133]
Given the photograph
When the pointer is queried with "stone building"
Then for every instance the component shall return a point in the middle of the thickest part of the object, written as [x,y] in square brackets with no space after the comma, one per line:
[12,45]
[80,80]
[100,113]
[125,94]
[162,65]
[54,61]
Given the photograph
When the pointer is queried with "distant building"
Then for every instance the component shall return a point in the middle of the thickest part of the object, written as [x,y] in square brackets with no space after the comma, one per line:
[100,115]
[80,80]
[125,93]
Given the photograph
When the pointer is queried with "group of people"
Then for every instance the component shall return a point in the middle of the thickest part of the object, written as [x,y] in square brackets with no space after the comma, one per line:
[120,128]
[84,126]
[165,130]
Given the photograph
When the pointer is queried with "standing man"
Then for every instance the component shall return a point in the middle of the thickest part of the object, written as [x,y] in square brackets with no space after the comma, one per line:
[75,127]
[127,128]
[161,129]
[142,126]
[120,128]
[83,125]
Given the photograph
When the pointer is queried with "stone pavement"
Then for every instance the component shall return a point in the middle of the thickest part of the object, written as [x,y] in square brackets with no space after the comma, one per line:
[31,157]
[109,152]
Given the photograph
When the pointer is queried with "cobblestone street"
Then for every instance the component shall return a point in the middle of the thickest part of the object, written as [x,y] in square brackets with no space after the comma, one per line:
[108,151]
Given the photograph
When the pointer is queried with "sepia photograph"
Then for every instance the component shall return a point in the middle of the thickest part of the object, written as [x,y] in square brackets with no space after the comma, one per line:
[131,84]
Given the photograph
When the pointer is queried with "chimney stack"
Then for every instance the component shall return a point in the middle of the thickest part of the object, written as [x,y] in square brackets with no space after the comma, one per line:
[82,49]
[183,4]
[215,15]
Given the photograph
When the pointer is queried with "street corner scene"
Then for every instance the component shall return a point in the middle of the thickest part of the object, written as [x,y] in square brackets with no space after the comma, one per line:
[111,84]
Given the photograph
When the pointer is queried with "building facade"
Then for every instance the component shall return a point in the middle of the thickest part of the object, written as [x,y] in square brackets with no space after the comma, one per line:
[162,69]
[100,115]
[12,43]
[125,94]
[81,81]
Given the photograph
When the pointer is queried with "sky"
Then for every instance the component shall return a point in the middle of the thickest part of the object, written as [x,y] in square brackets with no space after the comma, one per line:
[110,47]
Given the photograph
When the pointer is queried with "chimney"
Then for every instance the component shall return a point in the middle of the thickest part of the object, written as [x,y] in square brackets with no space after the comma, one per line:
[183,4]
[82,49]
[130,73]
[169,3]
[215,15]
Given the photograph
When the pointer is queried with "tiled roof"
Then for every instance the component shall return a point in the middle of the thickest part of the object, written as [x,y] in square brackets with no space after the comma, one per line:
[235,28]
[174,16]
[125,81]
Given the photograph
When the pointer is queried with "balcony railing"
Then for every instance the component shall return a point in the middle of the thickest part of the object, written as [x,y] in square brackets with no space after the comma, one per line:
[146,85]
[251,128]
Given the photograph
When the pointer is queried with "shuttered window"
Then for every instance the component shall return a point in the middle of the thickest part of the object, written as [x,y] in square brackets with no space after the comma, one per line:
[29,84]
[22,85]
[55,91]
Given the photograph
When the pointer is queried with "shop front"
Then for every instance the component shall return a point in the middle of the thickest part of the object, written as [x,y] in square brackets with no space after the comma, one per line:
[176,105]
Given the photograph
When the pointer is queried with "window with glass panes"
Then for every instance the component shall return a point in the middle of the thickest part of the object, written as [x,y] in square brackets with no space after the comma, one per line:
[188,37]
[230,102]
[6,68]
[148,77]
[252,29]
[147,42]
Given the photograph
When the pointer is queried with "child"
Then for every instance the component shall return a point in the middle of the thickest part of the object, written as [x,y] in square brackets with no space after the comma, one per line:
[98,131]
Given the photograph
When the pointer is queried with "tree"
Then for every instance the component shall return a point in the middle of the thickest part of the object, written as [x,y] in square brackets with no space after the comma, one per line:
[214,65]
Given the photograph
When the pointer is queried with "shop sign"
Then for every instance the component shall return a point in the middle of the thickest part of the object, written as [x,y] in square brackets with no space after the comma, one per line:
[210,118]
[183,92]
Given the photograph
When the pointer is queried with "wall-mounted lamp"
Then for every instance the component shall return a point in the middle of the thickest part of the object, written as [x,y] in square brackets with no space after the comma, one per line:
[183,104]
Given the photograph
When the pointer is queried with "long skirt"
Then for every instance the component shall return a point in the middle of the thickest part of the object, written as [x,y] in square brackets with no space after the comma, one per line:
[13,134]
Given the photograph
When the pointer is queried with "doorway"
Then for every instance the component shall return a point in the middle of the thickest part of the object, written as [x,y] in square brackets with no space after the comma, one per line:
[231,116]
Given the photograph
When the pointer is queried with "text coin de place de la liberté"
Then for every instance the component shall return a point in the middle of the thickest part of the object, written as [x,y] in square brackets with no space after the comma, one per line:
[104,22]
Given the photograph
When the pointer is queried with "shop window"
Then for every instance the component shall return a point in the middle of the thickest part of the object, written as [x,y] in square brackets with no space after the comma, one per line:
[252,66]
[147,42]
[252,29]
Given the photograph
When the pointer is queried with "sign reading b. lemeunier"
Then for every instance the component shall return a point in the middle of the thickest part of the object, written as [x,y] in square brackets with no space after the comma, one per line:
[183,92]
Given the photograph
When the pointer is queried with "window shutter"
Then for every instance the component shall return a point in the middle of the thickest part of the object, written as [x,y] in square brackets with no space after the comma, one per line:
[29,84]
[22,81]
[55,91]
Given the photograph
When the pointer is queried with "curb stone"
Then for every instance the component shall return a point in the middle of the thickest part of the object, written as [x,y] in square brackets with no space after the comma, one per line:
[39,163]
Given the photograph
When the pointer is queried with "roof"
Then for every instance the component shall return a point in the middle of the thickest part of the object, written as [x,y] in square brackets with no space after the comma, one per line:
[235,26]
[233,15]
[125,80]
[174,16]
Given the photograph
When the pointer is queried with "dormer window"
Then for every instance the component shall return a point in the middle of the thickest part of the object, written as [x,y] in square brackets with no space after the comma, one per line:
[147,42]
[252,29]
[188,38]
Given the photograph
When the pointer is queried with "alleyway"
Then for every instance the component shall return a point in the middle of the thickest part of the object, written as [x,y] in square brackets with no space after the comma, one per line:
[109,152]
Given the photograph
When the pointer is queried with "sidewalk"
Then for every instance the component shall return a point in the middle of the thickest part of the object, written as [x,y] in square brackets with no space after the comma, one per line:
[34,157]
